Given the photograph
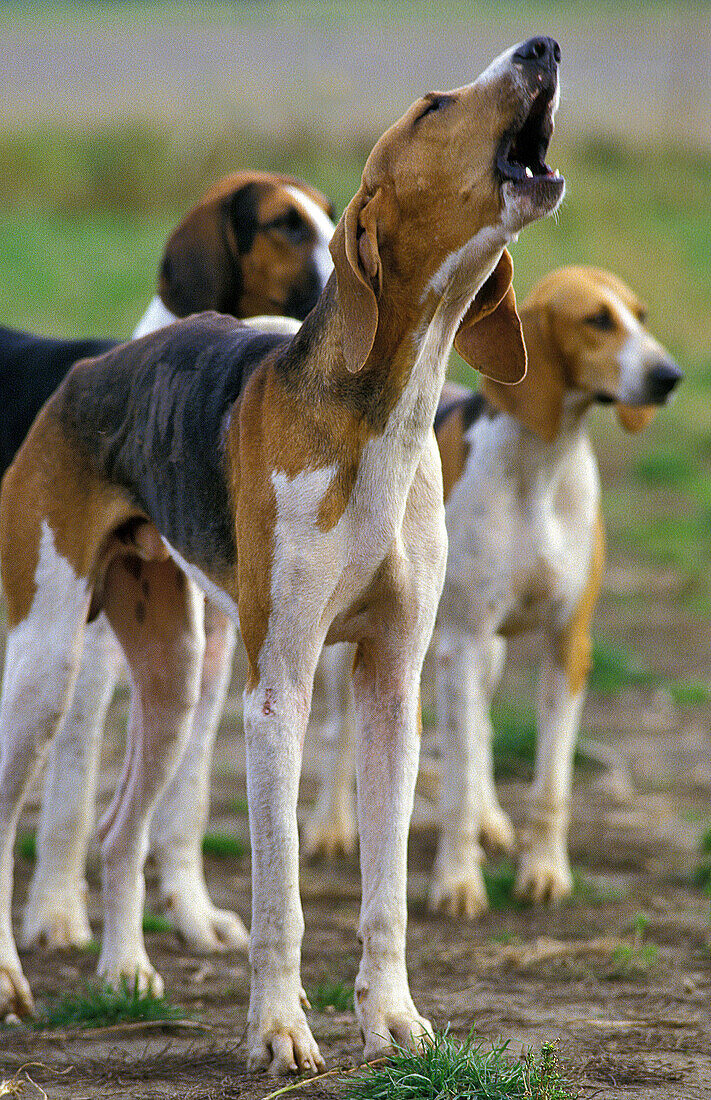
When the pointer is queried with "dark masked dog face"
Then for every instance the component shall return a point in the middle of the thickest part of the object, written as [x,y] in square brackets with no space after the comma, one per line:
[256,244]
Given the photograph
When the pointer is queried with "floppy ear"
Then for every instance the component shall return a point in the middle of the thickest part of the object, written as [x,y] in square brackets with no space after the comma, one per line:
[634,418]
[537,401]
[490,338]
[201,263]
[359,272]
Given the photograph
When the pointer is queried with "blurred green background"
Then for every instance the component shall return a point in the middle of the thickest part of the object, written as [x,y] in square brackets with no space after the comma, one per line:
[117,117]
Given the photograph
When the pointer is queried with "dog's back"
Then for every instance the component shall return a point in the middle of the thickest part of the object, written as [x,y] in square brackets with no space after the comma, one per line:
[31,368]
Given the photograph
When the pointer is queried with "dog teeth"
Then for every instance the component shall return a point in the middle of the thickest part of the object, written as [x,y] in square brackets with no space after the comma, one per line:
[529,173]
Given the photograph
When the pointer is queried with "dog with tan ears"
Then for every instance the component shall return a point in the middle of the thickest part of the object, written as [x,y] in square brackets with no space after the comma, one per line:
[257,242]
[297,482]
[526,551]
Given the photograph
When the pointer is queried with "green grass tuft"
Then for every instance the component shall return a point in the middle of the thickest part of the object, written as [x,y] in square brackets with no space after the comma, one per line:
[238,806]
[450,1069]
[27,846]
[336,995]
[101,1006]
[154,922]
[223,846]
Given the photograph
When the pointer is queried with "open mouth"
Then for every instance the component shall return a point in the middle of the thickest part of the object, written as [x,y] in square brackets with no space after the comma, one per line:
[521,156]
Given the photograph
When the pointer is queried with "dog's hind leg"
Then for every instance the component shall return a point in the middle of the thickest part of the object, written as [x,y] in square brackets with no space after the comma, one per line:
[157,616]
[331,827]
[180,818]
[386,687]
[56,910]
[41,664]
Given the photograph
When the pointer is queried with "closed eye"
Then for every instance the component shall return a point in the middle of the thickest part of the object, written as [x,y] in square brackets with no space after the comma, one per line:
[602,320]
[435,102]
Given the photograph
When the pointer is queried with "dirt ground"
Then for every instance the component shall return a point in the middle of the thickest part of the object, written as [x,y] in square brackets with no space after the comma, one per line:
[631,1023]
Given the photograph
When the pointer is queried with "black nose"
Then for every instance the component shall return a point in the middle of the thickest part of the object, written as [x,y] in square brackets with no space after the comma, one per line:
[661,380]
[540,51]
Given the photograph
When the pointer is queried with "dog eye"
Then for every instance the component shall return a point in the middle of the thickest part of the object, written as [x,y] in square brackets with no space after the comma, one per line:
[435,102]
[602,320]
[290,225]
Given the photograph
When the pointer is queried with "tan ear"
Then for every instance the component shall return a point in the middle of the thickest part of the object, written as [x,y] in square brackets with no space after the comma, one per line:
[490,338]
[537,401]
[634,418]
[354,247]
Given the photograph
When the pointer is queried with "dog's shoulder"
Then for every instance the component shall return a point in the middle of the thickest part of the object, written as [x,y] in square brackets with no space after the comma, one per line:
[150,417]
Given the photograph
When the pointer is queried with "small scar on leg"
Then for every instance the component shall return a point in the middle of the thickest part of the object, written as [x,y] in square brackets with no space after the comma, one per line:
[267,707]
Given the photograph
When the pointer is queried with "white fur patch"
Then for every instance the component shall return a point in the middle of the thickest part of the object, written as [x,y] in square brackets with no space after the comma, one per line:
[211,590]
[324,230]
[156,316]
[50,628]
[638,350]
[281,326]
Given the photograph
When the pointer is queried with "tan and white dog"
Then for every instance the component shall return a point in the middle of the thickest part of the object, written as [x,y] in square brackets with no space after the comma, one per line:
[256,243]
[298,483]
[526,551]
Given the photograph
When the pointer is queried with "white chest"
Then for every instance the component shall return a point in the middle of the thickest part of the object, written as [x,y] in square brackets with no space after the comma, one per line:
[520,523]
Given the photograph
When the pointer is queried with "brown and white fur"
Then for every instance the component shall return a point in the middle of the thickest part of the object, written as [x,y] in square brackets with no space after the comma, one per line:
[526,551]
[256,243]
[308,504]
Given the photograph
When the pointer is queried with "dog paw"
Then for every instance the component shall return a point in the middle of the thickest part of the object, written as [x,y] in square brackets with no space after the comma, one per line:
[460,896]
[496,832]
[329,833]
[204,928]
[137,973]
[15,995]
[543,879]
[56,918]
[284,1046]
[388,1021]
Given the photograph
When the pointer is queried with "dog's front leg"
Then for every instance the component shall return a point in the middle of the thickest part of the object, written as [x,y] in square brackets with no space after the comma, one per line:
[468,670]
[276,710]
[544,873]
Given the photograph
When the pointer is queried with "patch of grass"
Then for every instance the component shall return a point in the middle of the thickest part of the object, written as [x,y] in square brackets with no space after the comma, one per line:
[223,846]
[499,881]
[101,1006]
[26,845]
[514,747]
[663,468]
[155,922]
[614,669]
[238,806]
[335,995]
[630,960]
[465,1070]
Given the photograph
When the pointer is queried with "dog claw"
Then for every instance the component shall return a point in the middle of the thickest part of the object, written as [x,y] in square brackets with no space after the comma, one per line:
[56,919]
[15,995]
[286,1050]
[459,897]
